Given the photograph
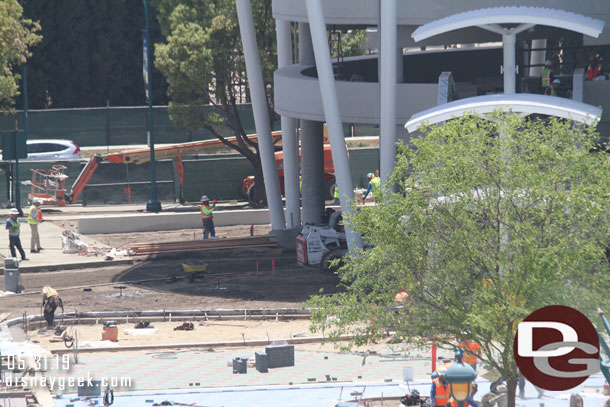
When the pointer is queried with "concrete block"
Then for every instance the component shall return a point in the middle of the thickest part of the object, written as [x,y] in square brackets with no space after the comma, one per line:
[262,362]
[90,391]
[240,366]
[280,355]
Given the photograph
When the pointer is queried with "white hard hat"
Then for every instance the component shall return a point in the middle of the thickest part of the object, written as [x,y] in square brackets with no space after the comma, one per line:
[370,175]
[36,200]
[204,198]
[442,371]
[14,211]
[557,81]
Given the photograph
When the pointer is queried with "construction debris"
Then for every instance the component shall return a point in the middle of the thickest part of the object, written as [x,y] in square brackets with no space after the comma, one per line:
[193,245]
[187,326]
[71,243]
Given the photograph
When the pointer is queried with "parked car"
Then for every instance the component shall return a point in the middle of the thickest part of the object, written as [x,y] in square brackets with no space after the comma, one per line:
[52,150]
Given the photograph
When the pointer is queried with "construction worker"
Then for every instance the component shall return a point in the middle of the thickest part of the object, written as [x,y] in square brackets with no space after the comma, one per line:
[471,352]
[206,217]
[34,218]
[12,225]
[440,392]
[50,302]
[374,186]
[402,297]
[547,76]
[553,90]
[469,400]
[336,194]
[594,70]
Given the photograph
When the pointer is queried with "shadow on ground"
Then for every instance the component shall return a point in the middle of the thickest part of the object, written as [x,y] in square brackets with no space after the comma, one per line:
[245,274]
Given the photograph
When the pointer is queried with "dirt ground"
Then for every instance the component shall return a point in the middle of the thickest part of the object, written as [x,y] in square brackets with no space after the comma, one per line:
[159,281]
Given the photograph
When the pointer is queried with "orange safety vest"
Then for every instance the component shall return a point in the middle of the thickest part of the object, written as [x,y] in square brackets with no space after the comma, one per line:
[593,73]
[49,291]
[454,403]
[442,393]
[473,350]
[206,212]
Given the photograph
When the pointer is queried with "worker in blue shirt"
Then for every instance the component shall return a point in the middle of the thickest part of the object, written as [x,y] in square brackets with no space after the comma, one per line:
[12,225]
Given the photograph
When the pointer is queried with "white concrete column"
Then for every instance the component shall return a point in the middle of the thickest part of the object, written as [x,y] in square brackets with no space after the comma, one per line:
[312,167]
[332,115]
[510,80]
[387,85]
[306,56]
[537,57]
[312,147]
[289,134]
[578,84]
[261,116]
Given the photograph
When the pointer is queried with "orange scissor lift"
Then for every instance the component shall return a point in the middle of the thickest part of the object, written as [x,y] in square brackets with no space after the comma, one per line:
[49,185]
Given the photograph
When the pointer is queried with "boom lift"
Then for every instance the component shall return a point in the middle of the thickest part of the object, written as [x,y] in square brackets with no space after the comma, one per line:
[142,155]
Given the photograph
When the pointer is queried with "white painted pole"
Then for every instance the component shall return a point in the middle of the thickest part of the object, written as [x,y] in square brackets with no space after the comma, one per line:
[331,113]
[387,84]
[289,134]
[261,117]
[508,43]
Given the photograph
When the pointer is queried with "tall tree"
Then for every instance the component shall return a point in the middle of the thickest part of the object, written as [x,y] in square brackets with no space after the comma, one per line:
[495,219]
[203,63]
[17,35]
[91,54]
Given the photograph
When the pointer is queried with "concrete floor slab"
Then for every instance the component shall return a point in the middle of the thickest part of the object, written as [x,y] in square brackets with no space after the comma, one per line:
[52,257]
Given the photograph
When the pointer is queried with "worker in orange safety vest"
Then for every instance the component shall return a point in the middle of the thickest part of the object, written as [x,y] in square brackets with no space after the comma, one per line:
[440,393]
[594,69]
[207,217]
[471,351]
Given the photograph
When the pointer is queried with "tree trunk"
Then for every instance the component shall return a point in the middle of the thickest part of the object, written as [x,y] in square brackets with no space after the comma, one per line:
[511,387]
[260,197]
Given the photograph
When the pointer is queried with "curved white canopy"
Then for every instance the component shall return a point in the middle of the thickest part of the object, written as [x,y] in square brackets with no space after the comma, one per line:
[517,103]
[511,15]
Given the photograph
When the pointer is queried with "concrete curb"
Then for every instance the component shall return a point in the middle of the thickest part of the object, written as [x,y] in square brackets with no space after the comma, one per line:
[272,312]
[232,344]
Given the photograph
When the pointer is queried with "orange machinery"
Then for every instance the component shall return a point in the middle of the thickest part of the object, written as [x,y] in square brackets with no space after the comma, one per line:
[49,185]
[141,156]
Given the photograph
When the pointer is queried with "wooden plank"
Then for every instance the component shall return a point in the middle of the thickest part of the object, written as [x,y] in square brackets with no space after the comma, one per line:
[198,244]
[148,252]
[4,316]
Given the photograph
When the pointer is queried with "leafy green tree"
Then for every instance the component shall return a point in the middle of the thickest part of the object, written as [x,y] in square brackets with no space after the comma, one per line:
[351,44]
[17,35]
[91,53]
[203,63]
[495,219]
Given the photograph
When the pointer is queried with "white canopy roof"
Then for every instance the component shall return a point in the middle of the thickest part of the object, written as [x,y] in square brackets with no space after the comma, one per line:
[517,103]
[511,15]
